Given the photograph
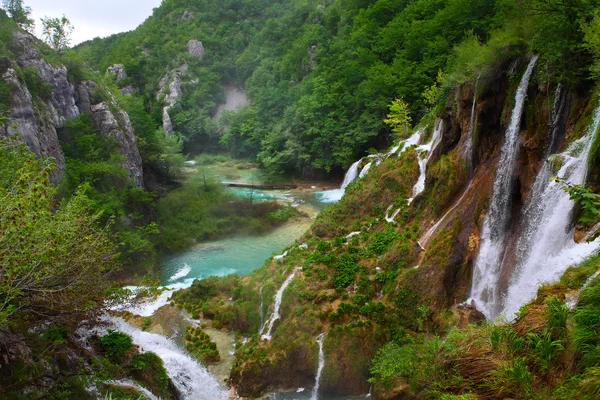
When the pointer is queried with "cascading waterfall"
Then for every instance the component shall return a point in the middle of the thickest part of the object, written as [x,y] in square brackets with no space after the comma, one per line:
[469,141]
[268,325]
[485,291]
[551,246]
[424,153]
[190,378]
[127,384]
[315,392]
[261,309]
[331,196]
[351,175]
[365,170]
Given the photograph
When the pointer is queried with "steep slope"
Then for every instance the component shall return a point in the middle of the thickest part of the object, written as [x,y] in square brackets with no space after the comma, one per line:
[366,281]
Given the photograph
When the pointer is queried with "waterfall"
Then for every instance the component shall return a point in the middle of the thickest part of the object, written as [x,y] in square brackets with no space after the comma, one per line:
[365,170]
[551,248]
[487,264]
[261,309]
[351,175]
[332,196]
[424,154]
[190,378]
[315,392]
[128,384]
[572,302]
[469,141]
[268,325]
[405,144]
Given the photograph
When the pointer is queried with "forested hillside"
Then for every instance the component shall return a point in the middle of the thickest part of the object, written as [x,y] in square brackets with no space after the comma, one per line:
[320,75]
[460,263]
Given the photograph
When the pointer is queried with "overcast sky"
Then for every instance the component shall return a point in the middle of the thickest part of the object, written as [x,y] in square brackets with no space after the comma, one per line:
[94,18]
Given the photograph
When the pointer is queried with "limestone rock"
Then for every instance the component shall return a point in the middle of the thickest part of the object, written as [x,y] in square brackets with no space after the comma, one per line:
[27,122]
[118,71]
[196,48]
[63,92]
[118,126]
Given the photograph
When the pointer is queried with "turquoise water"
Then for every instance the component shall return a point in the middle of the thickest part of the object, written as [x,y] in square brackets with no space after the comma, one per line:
[306,395]
[237,255]
[242,254]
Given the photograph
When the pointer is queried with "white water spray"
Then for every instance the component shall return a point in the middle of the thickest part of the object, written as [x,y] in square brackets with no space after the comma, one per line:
[424,155]
[551,246]
[315,392]
[365,170]
[190,378]
[268,325]
[486,271]
[261,309]
[128,384]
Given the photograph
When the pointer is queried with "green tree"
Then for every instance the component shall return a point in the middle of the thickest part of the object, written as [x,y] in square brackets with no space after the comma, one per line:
[19,13]
[55,259]
[399,118]
[56,31]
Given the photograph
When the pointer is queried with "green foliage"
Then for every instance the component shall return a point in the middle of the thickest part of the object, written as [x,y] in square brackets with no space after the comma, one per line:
[20,13]
[399,118]
[35,84]
[116,344]
[345,271]
[59,255]
[199,344]
[151,366]
[56,31]
[202,210]
[592,41]
[95,165]
[589,202]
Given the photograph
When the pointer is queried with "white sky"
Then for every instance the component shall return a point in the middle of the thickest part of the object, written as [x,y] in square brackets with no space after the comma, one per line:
[95,18]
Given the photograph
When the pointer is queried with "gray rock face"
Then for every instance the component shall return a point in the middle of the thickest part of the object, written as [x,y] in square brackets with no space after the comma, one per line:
[118,126]
[170,87]
[118,71]
[196,48]
[63,92]
[27,122]
[36,122]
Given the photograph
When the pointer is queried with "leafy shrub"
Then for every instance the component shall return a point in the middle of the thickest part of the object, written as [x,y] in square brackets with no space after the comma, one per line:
[116,344]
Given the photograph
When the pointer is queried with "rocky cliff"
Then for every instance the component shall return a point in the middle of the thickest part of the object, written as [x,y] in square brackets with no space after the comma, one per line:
[36,113]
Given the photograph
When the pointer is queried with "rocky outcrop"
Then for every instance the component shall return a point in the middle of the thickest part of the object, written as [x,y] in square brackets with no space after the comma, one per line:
[117,125]
[170,88]
[36,120]
[26,121]
[117,71]
[196,48]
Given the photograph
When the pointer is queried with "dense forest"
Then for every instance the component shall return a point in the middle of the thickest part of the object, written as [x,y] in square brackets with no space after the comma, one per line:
[321,76]
[95,191]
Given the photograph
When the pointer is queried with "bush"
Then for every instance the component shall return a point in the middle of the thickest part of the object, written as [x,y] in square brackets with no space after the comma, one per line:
[116,344]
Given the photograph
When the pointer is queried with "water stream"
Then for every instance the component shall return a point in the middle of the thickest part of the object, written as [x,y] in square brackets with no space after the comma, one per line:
[551,247]
[191,379]
[315,392]
[268,325]
[425,152]
[485,291]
